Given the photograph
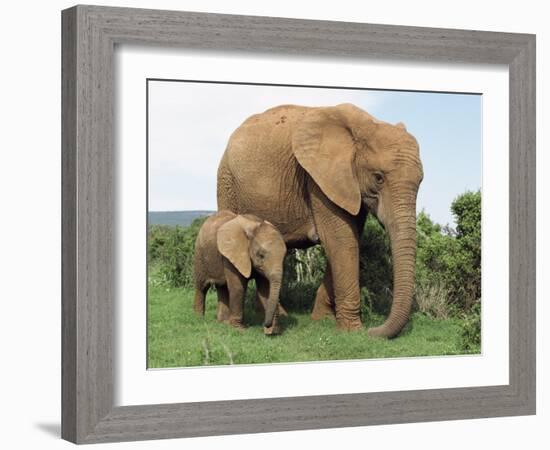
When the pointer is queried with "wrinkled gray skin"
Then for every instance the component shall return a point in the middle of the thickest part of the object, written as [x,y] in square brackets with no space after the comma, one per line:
[231,249]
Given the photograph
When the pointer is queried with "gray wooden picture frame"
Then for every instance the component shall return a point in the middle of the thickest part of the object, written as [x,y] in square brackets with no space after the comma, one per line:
[89,37]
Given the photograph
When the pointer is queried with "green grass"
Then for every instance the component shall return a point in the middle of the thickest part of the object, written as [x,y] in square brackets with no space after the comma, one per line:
[177,337]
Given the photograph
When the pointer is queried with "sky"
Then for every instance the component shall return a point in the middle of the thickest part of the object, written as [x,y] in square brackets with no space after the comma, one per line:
[190,124]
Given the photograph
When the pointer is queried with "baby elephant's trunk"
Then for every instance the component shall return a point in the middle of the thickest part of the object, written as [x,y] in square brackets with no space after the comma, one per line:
[273,300]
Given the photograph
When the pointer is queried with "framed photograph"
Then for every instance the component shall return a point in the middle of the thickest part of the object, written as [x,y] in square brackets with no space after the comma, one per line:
[267,222]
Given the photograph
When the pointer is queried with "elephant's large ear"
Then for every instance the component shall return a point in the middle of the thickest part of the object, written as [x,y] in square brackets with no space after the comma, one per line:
[323,145]
[233,242]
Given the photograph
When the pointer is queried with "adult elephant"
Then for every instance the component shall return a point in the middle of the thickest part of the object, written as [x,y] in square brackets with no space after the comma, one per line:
[315,173]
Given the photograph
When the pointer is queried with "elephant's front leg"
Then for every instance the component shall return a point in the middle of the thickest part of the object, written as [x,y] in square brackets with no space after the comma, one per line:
[236,286]
[340,238]
[324,300]
[222,313]
[344,264]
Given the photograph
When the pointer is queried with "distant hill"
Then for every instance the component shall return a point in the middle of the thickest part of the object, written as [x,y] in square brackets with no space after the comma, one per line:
[181,218]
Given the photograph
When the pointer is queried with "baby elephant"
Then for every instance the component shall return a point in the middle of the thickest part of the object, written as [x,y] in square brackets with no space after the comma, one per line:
[231,249]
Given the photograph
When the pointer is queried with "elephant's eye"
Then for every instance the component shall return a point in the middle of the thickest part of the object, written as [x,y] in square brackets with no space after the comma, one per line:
[378,178]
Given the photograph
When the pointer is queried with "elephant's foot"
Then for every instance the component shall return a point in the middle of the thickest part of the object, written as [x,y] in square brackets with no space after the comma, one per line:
[349,324]
[198,304]
[198,309]
[272,330]
[236,324]
[222,314]
[322,309]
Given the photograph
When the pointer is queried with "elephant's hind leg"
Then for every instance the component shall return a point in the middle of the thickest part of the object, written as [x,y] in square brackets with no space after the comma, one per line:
[200,297]
[324,300]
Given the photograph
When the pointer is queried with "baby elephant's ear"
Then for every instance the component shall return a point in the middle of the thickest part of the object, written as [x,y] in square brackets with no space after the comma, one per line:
[233,242]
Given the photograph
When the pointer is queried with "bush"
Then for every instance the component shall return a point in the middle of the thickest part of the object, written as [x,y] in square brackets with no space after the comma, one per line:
[466,282]
[171,250]
[298,296]
[432,299]
[305,265]
[448,262]
[435,250]
[303,272]
[369,316]
[157,236]
[470,336]
[375,268]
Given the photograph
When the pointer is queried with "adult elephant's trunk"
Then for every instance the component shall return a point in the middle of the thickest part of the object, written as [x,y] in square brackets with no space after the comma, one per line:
[403,246]
[273,300]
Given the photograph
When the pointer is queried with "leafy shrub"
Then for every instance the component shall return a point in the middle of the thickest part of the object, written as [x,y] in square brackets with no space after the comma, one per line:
[298,296]
[449,260]
[435,250]
[157,236]
[303,272]
[171,250]
[470,336]
[369,315]
[305,265]
[466,283]
[432,299]
[375,267]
